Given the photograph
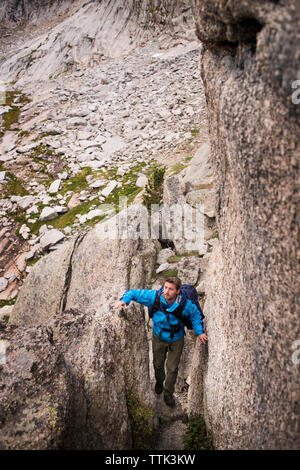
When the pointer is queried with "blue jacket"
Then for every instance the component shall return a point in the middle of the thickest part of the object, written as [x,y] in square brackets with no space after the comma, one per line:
[160,324]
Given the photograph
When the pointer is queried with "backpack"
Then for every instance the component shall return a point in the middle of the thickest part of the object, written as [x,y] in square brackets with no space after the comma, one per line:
[190,293]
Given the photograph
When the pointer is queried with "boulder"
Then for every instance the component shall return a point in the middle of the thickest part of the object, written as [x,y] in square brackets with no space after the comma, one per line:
[141,181]
[48,213]
[25,202]
[82,368]
[5,311]
[60,209]
[113,145]
[94,213]
[3,283]
[34,395]
[188,269]
[109,188]
[55,186]
[50,238]
[163,267]
[86,271]
[74,201]
[104,355]
[199,171]
[24,231]
[31,309]
[98,183]
[164,255]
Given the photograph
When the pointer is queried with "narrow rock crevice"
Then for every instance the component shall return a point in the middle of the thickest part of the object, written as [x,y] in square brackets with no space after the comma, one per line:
[68,278]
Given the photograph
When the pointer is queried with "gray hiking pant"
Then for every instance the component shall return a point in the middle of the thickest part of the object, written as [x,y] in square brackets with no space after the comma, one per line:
[173,351]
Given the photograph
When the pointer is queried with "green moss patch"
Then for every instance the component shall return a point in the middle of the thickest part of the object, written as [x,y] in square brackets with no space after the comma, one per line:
[197,436]
[169,273]
[4,303]
[175,258]
[10,119]
[76,183]
[141,418]
[215,235]
[154,189]
[13,187]
[204,186]
[179,167]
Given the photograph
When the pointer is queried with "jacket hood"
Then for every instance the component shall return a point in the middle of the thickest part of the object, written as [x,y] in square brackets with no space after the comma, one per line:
[180,299]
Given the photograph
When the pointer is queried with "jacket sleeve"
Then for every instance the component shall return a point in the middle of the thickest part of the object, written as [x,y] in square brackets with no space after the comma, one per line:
[142,296]
[195,316]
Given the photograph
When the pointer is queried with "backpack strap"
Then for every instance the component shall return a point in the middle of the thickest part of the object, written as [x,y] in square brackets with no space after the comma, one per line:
[156,304]
[177,312]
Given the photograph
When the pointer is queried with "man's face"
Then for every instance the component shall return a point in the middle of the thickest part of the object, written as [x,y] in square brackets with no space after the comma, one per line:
[170,291]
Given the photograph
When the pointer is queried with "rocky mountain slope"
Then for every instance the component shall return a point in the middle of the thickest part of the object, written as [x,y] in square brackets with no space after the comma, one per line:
[72,34]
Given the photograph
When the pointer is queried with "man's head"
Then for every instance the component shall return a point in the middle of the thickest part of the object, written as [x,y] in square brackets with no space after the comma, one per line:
[171,288]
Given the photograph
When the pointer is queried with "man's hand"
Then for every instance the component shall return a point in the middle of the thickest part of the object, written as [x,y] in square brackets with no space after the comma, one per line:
[120,304]
[202,338]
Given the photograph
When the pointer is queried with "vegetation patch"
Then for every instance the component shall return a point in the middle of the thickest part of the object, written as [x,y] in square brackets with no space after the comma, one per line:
[10,119]
[141,419]
[215,235]
[4,303]
[204,186]
[175,258]
[23,133]
[169,273]
[33,261]
[12,187]
[43,150]
[77,183]
[68,218]
[197,437]
[179,167]
[154,189]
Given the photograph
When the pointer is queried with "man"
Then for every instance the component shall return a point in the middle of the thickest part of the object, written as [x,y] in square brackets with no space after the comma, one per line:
[168,330]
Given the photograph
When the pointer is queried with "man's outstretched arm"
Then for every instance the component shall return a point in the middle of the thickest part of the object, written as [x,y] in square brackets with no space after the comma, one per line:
[142,296]
[119,304]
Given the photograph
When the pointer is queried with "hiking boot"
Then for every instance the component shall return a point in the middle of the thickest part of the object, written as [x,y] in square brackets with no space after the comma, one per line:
[158,388]
[169,399]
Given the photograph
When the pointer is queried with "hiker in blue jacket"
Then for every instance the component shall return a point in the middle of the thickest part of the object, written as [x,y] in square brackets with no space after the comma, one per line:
[168,330]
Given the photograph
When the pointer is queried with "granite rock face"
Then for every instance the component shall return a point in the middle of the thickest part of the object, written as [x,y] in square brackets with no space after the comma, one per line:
[97,355]
[34,396]
[87,272]
[69,358]
[15,11]
[64,385]
[148,13]
[249,390]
